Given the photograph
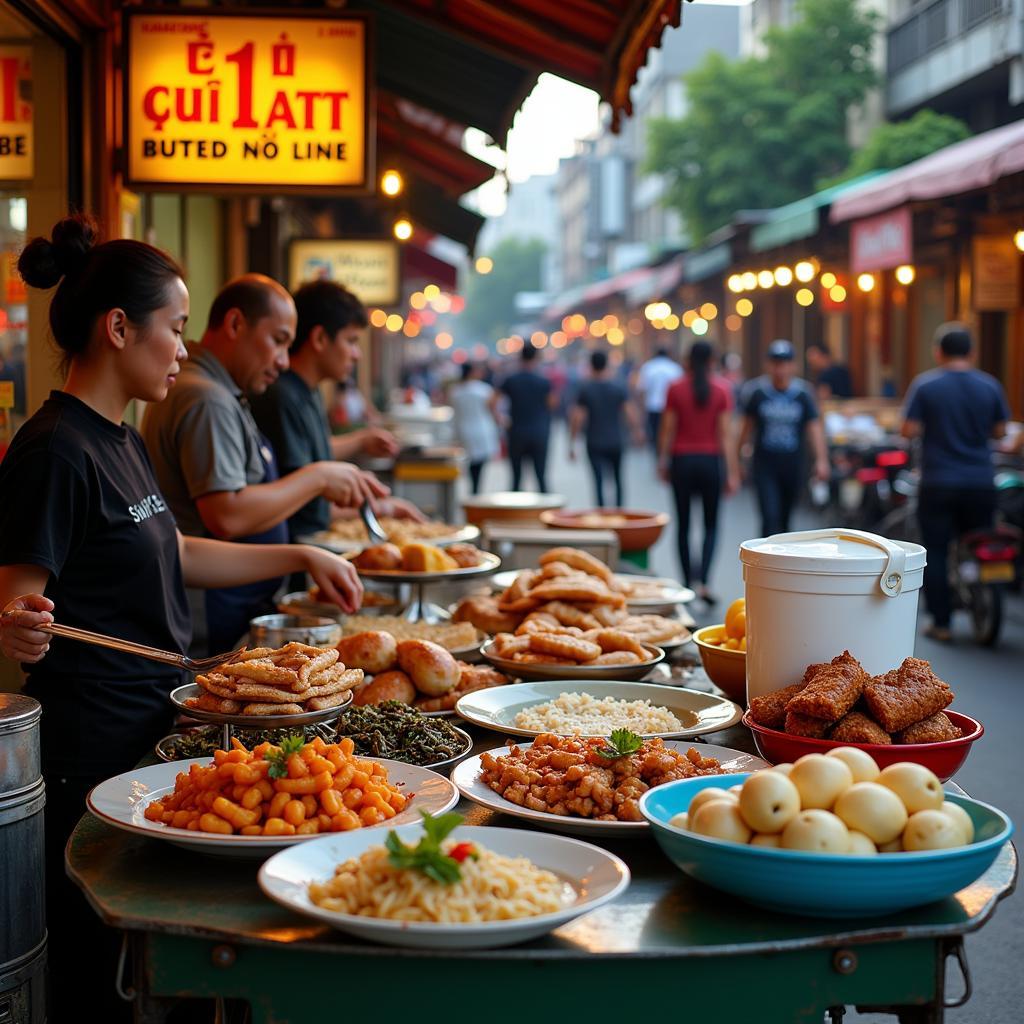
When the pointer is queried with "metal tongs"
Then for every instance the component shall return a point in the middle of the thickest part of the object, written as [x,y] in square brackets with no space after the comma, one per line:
[142,650]
[373,527]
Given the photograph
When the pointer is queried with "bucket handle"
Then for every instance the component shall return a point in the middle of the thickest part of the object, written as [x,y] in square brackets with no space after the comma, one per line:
[891,580]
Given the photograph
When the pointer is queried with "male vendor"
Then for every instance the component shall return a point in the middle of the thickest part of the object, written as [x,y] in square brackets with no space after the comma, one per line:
[216,470]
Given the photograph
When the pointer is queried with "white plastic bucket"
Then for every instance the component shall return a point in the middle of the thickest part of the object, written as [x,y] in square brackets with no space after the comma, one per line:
[814,594]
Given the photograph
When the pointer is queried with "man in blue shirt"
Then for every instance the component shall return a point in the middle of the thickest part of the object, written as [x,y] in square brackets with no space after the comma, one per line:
[955,410]
[531,401]
[778,409]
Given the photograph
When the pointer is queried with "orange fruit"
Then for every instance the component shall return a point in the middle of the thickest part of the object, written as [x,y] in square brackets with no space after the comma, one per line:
[738,607]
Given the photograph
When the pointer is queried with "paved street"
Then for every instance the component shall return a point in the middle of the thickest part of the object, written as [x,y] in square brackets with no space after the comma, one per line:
[986,682]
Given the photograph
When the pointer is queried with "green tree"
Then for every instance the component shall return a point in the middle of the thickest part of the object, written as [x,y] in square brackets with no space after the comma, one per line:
[895,144]
[760,132]
[490,298]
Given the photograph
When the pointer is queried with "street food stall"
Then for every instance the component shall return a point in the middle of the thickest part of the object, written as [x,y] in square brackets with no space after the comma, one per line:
[656,894]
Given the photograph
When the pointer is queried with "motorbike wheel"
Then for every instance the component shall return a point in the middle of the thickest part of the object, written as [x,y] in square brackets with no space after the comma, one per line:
[986,608]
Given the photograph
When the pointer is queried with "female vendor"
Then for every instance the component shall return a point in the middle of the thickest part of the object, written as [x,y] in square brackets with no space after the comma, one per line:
[86,537]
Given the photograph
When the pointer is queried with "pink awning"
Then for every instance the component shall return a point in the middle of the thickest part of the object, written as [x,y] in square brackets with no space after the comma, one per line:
[972,164]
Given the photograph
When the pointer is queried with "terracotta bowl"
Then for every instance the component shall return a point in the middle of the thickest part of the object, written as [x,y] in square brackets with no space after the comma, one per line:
[519,507]
[726,669]
[639,533]
[944,758]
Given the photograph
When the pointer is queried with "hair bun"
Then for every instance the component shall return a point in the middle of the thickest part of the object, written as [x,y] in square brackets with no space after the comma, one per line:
[44,261]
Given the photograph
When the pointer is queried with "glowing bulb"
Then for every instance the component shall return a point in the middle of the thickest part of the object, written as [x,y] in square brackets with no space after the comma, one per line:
[418,300]
[1018,240]
[905,274]
[538,339]
[598,328]
[735,283]
[444,340]
[394,323]
[783,276]
[688,317]
[431,292]
[837,293]
[765,278]
[484,265]
[865,282]
[733,322]
[749,281]
[378,318]
[804,271]
[616,335]
[391,183]
[709,311]
[744,307]
[699,326]
[402,229]
[805,297]
[671,323]
[828,279]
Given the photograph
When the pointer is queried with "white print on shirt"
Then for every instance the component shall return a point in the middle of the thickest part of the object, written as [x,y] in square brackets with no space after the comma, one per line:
[781,419]
[151,505]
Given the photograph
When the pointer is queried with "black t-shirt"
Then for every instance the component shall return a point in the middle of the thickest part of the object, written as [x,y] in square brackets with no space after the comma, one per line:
[603,399]
[292,417]
[78,498]
[837,378]
[779,416]
[528,404]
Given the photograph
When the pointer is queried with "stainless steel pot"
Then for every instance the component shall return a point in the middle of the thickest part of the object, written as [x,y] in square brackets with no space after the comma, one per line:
[277,630]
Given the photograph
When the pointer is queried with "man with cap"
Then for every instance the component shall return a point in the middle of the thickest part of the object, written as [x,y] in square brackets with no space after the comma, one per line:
[778,410]
[955,410]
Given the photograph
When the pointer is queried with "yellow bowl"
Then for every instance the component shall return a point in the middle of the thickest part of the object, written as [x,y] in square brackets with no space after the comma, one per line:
[726,669]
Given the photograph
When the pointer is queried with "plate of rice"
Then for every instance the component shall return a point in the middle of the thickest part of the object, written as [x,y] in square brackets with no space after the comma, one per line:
[501,886]
[567,707]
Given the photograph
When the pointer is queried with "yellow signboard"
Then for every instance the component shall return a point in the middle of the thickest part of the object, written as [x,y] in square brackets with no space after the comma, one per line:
[247,102]
[15,113]
[367,267]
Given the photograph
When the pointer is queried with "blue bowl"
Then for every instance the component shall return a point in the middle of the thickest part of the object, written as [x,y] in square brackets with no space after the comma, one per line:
[822,885]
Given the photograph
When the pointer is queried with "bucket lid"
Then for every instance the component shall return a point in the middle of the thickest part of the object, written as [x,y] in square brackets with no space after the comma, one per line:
[835,552]
[17,711]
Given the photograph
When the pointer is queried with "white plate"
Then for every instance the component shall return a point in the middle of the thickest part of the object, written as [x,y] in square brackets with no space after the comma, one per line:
[325,539]
[596,875]
[497,707]
[673,591]
[466,775]
[121,801]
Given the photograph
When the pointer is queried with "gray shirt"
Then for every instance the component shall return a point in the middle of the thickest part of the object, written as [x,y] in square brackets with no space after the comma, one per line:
[202,439]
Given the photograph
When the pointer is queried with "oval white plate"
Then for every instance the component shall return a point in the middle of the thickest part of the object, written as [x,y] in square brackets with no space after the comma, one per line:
[121,801]
[497,707]
[596,875]
[466,775]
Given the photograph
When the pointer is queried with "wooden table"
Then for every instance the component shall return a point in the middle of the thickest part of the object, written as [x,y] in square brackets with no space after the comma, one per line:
[199,926]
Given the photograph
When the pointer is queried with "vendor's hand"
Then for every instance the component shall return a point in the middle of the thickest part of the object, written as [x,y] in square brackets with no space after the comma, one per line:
[18,637]
[398,508]
[336,577]
[378,443]
[347,485]
[822,470]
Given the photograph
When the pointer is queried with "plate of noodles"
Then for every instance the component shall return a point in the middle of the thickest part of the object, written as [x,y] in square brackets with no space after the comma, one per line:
[443,885]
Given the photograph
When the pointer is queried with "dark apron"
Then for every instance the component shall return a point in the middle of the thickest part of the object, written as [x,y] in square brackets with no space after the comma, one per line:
[229,609]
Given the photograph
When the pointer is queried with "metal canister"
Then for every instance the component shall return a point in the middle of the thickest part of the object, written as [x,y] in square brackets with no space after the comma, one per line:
[278,630]
[22,883]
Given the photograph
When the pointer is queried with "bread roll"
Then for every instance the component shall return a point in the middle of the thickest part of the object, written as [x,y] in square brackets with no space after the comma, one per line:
[386,557]
[433,670]
[386,686]
[373,651]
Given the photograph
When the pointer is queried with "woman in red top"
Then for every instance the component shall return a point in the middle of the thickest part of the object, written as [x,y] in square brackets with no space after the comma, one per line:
[693,439]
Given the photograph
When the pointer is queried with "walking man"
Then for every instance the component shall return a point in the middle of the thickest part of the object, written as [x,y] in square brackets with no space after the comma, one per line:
[531,400]
[653,380]
[778,410]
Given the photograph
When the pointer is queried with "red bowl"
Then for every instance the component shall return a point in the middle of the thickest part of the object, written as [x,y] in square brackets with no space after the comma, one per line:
[944,758]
